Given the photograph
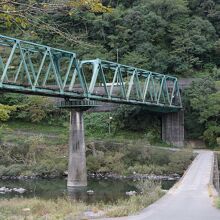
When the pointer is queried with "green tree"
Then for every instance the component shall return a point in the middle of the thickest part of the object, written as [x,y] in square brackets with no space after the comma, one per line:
[5,111]
[36,108]
[202,102]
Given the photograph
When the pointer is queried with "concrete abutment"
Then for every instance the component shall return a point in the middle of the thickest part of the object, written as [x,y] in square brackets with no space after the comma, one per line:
[173,128]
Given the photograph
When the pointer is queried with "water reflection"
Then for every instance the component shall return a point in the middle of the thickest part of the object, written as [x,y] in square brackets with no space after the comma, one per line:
[104,190]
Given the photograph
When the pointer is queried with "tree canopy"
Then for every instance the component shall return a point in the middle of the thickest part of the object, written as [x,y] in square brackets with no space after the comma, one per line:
[202,103]
[175,36]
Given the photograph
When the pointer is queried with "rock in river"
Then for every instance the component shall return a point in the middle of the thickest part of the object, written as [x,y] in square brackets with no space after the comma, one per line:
[19,190]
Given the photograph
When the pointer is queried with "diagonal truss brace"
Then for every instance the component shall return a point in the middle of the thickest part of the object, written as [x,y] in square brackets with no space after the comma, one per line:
[44,75]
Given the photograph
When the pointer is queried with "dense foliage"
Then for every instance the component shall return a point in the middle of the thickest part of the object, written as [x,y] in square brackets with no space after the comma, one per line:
[202,104]
[130,158]
[33,108]
[5,111]
[162,35]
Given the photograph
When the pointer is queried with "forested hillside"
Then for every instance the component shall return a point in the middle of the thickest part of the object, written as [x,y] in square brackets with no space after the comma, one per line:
[179,37]
[175,36]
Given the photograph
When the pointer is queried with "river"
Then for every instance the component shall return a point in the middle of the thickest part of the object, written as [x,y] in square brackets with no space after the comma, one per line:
[104,190]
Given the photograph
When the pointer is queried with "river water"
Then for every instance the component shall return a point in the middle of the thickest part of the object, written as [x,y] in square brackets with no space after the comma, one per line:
[104,190]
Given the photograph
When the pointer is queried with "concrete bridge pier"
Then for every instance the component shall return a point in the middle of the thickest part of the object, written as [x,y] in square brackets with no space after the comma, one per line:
[77,174]
[173,128]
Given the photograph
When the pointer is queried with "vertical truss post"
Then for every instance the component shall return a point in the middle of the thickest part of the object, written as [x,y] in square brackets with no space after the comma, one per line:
[64,83]
[8,63]
[161,87]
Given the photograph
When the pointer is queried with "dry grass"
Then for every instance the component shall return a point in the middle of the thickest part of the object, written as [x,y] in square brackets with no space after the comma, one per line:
[134,204]
[40,209]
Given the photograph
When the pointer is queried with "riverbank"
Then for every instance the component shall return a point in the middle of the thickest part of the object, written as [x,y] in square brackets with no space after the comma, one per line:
[70,209]
[100,176]
[36,156]
[32,155]
[65,208]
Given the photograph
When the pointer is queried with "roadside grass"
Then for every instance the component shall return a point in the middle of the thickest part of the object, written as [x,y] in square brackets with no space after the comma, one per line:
[217,203]
[132,205]
[18,208]
[151,192]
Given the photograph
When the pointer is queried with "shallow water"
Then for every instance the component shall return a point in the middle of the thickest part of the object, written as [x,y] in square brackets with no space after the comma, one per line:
[104,190]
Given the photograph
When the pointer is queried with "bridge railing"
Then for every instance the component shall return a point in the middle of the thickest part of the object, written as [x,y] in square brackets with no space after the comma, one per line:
[131,84]
[32,68]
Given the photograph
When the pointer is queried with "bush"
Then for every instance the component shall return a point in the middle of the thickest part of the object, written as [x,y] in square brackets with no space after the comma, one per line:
[14,170]
[101,162]
[153,137]
[179,161]
[211,135]
[94,162]
[50,167]
[13,153]
[136,118]
[98,122]
[114,163]
[137,158]
[3,170]
[159,156]
[136,155]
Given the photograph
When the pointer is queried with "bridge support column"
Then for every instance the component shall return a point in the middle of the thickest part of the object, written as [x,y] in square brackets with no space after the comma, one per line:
[173,128]
[77,174]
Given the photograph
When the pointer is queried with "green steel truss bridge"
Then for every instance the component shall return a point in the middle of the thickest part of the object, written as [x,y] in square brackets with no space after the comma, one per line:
[31,68]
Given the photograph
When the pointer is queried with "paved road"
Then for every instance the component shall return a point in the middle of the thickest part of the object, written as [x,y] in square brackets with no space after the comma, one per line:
[189,200]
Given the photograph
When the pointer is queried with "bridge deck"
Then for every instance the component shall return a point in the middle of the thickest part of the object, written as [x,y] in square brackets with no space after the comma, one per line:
[31,68]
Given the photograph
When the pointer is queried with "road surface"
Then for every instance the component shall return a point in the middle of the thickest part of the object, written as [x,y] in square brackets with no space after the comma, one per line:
[189,199]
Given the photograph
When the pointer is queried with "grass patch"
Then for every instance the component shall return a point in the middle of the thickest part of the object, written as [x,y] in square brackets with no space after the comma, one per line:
[151,192]
[217,203]
[18,131]
[39,209]
[36,127]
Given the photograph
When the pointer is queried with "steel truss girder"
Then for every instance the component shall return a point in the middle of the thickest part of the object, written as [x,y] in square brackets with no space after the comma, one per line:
[148,87]
[31,68]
